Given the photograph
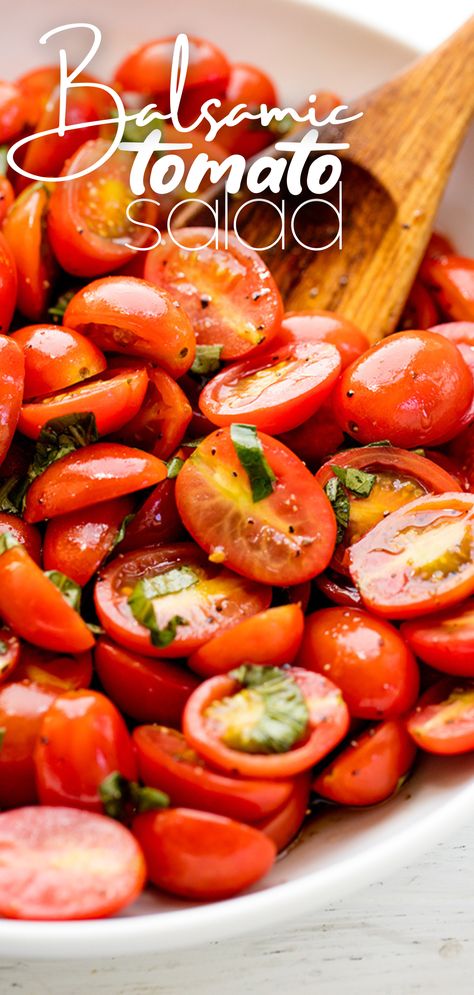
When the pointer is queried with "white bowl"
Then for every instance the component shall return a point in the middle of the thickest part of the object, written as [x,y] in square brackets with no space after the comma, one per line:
[304,48]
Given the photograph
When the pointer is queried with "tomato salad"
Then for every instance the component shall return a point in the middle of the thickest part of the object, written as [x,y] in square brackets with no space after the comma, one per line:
[236,545]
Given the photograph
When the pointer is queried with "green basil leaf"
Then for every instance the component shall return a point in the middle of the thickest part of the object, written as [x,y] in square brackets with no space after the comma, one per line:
[120,796]
[357,481]
[122,529]
[383,442]
[169,582]
[59,437]
[3,647]
[96,630]
[207,359]
[249,450]
[3,160]
[149,588]
[71,591]
[7,541]
[146,799]
[268,715]
[12,492]
[340,504]
[56,312]
[173,466]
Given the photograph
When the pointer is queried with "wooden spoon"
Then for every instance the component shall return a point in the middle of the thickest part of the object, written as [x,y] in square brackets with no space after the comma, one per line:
[394,173]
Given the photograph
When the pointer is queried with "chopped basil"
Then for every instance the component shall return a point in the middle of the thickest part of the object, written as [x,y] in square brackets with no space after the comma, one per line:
[169,582]
[2,735]
[357,481]
[419,452]
[193,443]
[207,359]
[120,796]
[96,630]
[56,312]
[3,159]
[249,450]
[340,504]
[174,466]
[3,647]
[12,492]
[383,442]
[69,589]
[149,588]
[7,541]
[122,529]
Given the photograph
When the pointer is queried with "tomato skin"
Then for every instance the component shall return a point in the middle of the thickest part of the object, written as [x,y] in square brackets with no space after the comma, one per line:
[316,438]
[339,589]
[12,375]
[161,423]
[324,326]
[113,399]
[328,724]
[9,655]
[461,449]
[365,657]
[420,310]
[369,770]
[272,637]
[7,196]
[148,68]
[82,739]
[297,506]
[26,534]
[96,473]
[34,608]
[60,863]
[56,671]
[126,314]
[452,279]
[166,761]
[24,229]
[36,86]
[22,706]
[229,294]
[412,388]
[443,720]
[77,543]
[246,85]
[12,111]
[200,855]
[8,284]
[56,358]
[223,599]
[147,690]
[445,640]
[157,521]
[283,826]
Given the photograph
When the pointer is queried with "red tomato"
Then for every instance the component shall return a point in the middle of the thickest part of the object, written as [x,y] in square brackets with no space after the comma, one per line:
[12,376]
[63,673]
[199,425]
[215,600]
[88,476]
[229,294]
[420,310]
[28,535]
[77,543]
[87,221]
[148,68]
[282,826]
[9,654]
[8,284]
[22,706]
[58,863]
[419,559]
[36,86]
[82,739]
[163,418]
[125,314]
[114,399]
[157,521]
[365,657]
[286,538]
[35,609]
[412,388]
[445,640]
[147,690]
[452,280]
[251,86]
[325,326]
[461,333]
[371,768]
[13,111]
[56,358]
[7,196]
[166,761]
[316,438]
[443,720]
[24,229]
[271,637]
[327,725]
[276,391]
[461,449]
[438,247]
[300,595]
[339,589]
[202,856]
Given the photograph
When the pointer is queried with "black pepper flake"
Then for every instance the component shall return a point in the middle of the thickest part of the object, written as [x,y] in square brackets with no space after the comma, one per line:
[205,301]
[291,529]
[234,473]
[349,393]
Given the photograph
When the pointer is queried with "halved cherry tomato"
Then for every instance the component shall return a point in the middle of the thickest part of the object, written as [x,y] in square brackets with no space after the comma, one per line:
[8,284]
[82,739]
[229,294]
[88,476]
[365,657]
[28,535]
[77,543]
[147,690]
[445,640]
[271,637]
[166,761]
[9,654]
[157,522]
[316,438]
[200,855]
[212,599]
[419,559]
[163,418]
[371,768]
[277,390]
[115,398]
[328,723]
[420,311]
[24,229]
[13,111]
[148,69]
[450,465]
[443,720]
[125,314]
[283,826]
[324,326]
[22,706]
[56,358]
[59,863]
[64,673]
[412,388]
[12,376]
[286,538]
[451,279]
[88,225]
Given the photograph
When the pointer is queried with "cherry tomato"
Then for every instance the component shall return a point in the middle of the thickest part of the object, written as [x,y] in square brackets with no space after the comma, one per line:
[199,425]
[24,229]
[251,86]
[461,333]
[461,449]
[8,284]
[229,294]
[286,538]
[324,326]
[272,637]
[56,358]
[200,855]
[163,418]
[452,280]
[114,399]
[63,673]
[147,690]
[36,86]
[59,863]
[7,196]
[12,111]
[82,739]
[166,761]
[77,543]
[419,559]
[22,706]
[420,311]
[283,826]
[88,476]
[316,438]
[445,640]
[443,720]
[365,657]
[438,247]
[339,589]
[9,654]
[276,391]
[211,599]
[28,535]
[327,724]
[88,225]
[12,375]
[371,768]
[148,69]
[125,314]
[157,521]
[412,388]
